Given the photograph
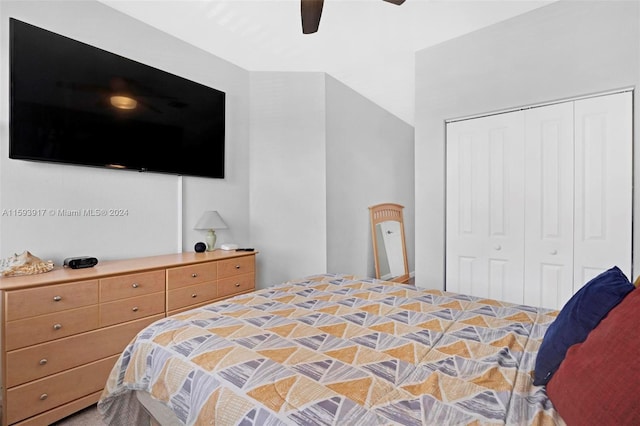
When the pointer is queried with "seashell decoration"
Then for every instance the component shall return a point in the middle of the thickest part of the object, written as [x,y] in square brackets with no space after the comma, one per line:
[24,264]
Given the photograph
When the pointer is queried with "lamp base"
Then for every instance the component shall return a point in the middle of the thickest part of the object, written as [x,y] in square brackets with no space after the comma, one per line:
[211,240]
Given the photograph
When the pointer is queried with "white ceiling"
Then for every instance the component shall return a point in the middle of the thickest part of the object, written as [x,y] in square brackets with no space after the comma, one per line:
[369,45]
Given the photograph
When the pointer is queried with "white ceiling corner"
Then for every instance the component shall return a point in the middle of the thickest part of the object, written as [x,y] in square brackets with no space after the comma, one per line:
[369,45]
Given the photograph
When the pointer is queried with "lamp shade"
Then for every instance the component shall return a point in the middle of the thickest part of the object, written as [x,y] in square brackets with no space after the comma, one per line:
[210,220]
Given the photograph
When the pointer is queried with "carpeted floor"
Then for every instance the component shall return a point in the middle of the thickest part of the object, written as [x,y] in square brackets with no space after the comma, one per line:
[87,417]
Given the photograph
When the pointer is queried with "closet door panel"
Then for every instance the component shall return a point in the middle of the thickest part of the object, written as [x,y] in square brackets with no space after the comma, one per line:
[505,203]
[549,205]
[539,201]
[603,185]
[466,203]
[484,207]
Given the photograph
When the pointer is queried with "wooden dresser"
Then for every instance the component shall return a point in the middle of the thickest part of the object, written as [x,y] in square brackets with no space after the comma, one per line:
[62,331]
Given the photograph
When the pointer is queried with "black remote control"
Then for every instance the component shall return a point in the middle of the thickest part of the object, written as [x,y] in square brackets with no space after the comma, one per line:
[244,249]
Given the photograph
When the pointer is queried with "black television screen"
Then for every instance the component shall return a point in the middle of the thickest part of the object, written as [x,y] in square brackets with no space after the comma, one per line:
[74,103]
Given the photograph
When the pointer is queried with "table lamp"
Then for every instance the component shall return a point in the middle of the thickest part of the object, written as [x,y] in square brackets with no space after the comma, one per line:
[210,221]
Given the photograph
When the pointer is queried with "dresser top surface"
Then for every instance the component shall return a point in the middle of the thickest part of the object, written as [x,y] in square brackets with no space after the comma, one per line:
[117,267]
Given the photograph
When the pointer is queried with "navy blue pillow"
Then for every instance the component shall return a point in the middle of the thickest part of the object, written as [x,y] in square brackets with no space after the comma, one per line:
[577,318]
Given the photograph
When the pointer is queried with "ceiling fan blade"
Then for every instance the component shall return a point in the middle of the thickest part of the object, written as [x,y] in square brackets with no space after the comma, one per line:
[311,11]
[398,2]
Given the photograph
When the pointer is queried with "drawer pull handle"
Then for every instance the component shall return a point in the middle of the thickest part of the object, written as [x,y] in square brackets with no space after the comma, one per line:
[237,284]
[43,396]
[237,266]
[57,298]
[135,309]
[194,295]
[57,326]
[43,361]
[135,285]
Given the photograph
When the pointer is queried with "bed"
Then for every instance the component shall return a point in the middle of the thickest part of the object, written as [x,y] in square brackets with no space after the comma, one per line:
[337,350]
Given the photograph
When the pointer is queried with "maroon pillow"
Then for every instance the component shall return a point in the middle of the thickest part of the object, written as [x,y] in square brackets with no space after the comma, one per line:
[597,383]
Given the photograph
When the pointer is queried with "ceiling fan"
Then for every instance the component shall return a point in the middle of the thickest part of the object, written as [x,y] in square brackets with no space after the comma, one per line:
[311,10]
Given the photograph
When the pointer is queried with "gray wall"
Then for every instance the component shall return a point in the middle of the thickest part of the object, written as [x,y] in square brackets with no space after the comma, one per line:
[369,161]
[563,50]
[320,155]
[288,175]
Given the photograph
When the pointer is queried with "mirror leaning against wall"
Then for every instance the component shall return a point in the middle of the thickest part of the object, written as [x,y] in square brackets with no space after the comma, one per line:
[389,247]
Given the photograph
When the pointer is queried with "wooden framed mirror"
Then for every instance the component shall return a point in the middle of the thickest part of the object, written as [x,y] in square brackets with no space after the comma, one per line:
[389,247]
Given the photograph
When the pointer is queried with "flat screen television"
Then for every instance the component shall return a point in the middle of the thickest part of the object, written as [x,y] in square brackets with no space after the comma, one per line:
[77,104]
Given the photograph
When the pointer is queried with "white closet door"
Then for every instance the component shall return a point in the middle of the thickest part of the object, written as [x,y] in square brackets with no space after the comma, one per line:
[603,201]
[548,210]
[485,254]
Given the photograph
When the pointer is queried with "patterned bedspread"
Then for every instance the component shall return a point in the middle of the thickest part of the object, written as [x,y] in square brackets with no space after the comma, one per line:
[340,350]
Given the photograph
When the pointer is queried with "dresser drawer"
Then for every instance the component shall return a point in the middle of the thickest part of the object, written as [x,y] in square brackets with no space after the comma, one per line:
[192,295]
[52,298]
[131,309]
[41,395]
[132,285]
[238,265]
[238,284]
[44,328]
[191,274]
[24,365]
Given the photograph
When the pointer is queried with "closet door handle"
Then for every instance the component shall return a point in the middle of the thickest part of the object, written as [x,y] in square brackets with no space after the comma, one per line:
[554,252]
[498,247]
